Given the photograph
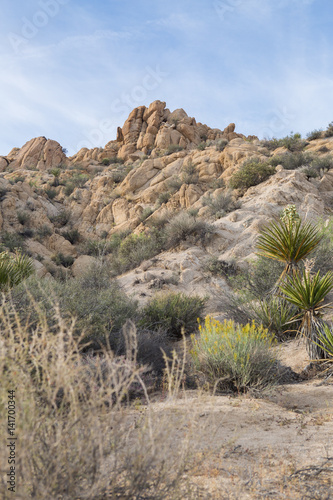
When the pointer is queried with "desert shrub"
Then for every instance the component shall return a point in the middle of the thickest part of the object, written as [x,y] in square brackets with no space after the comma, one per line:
[323,253]
[136,248]
[118,176]
[220,267]
[147,212]
[106,161]
[221,204]
[174,183]
[44,231]
[23,217]
[216,184]
[329,130]
[160,220]
[315,134]
[74,440]
[3,192]
[173,312]
[202,146]
[163,198]
[27,232]
[251,173]
[63,260]
[233,355]
[276,315]
[190,174]
[183,226]
[97,303]
[323,163]
[61,219]
[12,241]
[50,193]
[291,161]
[72,235]
[258,280]
[18,178]
[292,142]
[77,181]
[173,148]
[221,144]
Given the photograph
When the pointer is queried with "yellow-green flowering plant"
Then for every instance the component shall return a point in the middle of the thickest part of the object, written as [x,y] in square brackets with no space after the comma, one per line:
[233,354]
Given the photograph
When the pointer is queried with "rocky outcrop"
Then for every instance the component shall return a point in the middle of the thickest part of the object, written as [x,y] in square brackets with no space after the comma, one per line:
[160,162]
[39,153]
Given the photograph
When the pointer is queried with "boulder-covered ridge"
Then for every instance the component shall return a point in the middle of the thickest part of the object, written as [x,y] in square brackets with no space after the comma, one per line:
[161,162]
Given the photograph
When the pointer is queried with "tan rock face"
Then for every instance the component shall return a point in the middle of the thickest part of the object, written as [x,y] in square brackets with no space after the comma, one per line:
[39,153]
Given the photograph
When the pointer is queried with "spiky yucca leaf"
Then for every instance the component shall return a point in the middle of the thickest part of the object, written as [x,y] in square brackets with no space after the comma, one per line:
[307,293]
[325,337]
[288,241]
[14,269]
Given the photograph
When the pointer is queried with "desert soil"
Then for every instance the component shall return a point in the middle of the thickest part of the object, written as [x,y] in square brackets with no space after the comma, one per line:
[259,445]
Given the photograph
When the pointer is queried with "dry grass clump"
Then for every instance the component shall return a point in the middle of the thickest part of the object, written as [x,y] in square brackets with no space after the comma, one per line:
[77,439]
[183,226]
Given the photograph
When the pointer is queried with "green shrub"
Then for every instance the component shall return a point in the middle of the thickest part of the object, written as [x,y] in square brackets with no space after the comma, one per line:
[276,315]
[174,313]
[23,217]
[50,193]
[202,146]
[315,134]
[329,130]
[323,253]
[232,355]
[173,148]
[147,212]
[163,198]
[77,181]
[72,235]
[106,161]
[63,260]
[12,241]
[174,183]
[136,248]
[291,161]
[44,231]
[221,144]
[256,282]
[251,173]
[62,218]
[183,226]
[118,176]
[220,267]
[3,192]
[190,174]
[292,142]
[221,204]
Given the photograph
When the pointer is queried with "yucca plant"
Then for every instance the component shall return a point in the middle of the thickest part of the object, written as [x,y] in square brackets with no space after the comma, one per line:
[288,241]
[325,337]
[275,314]
[307,293]
[14,269]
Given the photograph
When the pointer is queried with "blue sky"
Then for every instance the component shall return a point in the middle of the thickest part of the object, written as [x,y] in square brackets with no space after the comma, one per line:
[72,70]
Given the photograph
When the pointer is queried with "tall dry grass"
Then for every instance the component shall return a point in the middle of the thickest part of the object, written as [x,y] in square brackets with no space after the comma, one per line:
[78,435]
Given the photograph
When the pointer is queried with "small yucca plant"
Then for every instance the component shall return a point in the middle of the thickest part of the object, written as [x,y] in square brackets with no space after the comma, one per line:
[14,269]
[307,293]
[325,337]
[289,241]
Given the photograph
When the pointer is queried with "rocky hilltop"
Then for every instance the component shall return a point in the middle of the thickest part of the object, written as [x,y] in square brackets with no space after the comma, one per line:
[68,211]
